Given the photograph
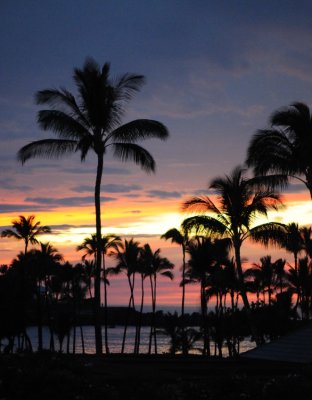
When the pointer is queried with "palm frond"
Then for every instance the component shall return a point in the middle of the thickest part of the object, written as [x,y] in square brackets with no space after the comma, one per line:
[48,148]
[135,153]
[64,125]
[205,224]
[270,233]
[139,129]
[64,101]
[128,84]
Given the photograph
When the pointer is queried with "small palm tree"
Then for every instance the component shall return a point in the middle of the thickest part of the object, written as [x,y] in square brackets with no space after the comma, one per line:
[179,237]
[293,241]
[89,245]
[127,256]
[155,265]
[91,122]
[204,254]
[240,201]
[26,229]
[286,148]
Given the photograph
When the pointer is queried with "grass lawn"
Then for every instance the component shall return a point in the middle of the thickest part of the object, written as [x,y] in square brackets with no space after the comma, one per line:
[59,376]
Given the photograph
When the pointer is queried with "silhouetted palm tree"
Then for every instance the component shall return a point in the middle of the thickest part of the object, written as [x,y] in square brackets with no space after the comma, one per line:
[240,201]
[26,229]
[91,122]
[285,148]
[127,256]
[204,254]
[264,273]
[306,234]
[179,237]
[46,258]
[280,274]
[89,245]
[155,265]
[293,241]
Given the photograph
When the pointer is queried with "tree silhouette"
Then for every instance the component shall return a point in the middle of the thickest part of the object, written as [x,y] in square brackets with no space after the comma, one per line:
[89,245]
[26,229]
[286,148]
[92,122]
[127,256]
[155,265]
[240,201]
[179,237]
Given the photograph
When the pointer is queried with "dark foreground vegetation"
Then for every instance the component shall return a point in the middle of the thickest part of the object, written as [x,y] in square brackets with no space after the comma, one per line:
[49,376]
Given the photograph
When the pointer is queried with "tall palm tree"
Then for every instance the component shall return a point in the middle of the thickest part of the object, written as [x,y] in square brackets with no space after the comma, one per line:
[26,229]
[44,261]
[92,122]
[264,272]
[293,241]
[286,147]
[200,262]
[89,245]
[155,265]
[127,256]
[306,234]
[240,201]
[179,237]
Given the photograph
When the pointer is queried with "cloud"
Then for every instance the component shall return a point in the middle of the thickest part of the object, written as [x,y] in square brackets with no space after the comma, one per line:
[9,184]
[20,208]
[133,212]
[66,201]
[162,194]
[109,188]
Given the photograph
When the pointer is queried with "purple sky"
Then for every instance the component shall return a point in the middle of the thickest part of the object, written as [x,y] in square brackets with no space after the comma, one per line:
[215,71]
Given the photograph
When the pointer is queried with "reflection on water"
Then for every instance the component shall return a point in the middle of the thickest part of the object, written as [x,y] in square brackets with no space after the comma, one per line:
[115,340]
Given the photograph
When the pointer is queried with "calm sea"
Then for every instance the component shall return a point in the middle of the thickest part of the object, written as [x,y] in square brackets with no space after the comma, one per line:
[115,336]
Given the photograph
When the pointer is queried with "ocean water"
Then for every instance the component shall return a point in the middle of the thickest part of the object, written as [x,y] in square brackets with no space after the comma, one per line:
[115,336]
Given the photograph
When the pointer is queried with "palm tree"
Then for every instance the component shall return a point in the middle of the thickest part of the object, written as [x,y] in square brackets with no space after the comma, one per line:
[127,256]
[92,122]
[179,237]
[155,265]
[306,234]
[293,241]
[240,201]
[285,149]
[45,258]
[26,229]
[89,245]
[264,273]
[204,254]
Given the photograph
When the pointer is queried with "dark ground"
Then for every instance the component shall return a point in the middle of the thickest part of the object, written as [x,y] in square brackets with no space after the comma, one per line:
[53,376]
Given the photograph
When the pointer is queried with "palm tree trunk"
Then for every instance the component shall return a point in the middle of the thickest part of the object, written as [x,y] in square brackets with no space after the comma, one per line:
[152,321]
[131,304]
[39,317]
[241,283]
[184,349]
[139,325]
[97,278]
[105,308]
[154,315]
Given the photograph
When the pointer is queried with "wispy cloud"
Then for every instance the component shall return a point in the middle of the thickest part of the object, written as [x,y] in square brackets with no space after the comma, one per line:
[162,194]
[20,208]
[109,188]
[9,184]
[66,201]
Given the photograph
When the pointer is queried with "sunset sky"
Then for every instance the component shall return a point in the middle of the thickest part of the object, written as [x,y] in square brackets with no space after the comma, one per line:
[215,71]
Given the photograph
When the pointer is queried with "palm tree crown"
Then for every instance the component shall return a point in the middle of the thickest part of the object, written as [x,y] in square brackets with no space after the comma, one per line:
[240,202]
[285,148]
[26,229]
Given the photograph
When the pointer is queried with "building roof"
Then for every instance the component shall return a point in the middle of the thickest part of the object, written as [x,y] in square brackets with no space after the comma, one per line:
[294,347]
